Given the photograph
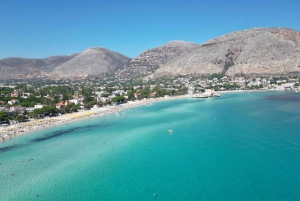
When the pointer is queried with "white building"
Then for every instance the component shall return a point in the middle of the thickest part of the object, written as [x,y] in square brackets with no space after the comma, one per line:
[13,101]
[38,106]
[77,101]
[191,89]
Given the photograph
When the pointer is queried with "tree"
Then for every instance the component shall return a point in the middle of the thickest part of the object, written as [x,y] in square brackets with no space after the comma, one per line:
[74,108]
[145,93]
[159,92]
[46,110]
[228,64]
[130,95]
[49,110]
[93,102]
[216,75]
[19,117]
[25,104]
[118,99]
[38,112]
[65,97]
[68,108]
[46,101]
[4,117]
[107,102]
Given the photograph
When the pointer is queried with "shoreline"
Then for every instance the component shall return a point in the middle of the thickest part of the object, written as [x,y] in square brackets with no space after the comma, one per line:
[17,130]
[24,128]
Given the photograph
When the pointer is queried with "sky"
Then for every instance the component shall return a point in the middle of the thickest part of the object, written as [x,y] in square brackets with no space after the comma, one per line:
[39,29]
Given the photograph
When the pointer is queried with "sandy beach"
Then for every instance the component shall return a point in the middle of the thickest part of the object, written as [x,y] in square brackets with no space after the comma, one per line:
[19,129]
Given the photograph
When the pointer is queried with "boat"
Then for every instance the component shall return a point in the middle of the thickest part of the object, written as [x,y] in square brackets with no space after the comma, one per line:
[170,131]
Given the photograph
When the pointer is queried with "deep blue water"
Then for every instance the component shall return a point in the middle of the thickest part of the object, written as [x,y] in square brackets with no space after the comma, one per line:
[241,146]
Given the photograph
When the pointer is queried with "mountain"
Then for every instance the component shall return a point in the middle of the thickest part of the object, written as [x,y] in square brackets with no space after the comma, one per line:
[257,51]
[17,68]
[260,51]
[151,60]
[93,61]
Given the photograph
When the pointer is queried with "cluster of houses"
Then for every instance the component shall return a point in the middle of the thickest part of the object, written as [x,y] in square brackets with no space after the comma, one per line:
[100,97]
[242,83]
[193,85]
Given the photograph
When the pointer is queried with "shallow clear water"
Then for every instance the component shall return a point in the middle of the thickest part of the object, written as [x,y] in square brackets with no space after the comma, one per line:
[237,147]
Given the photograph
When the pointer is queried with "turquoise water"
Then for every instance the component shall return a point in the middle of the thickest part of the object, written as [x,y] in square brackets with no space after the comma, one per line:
[241,146]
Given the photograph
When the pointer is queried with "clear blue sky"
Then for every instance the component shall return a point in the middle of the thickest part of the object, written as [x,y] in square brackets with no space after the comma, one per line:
[38,28]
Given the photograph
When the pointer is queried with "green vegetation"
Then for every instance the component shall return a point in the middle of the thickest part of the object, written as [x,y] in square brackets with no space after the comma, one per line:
[255,86]
[51,92]
[6,90]
[71,108]
[29,102]
[4,118]
[159,92]
[19,117]
[228,64]
[216,75]
[118,99]
[130,94]
[45,111]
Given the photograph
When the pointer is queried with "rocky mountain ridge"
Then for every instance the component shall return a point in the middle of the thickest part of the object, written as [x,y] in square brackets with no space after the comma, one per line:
[254,51]
[151,60]
[18,68]
[91,62]
[260,51]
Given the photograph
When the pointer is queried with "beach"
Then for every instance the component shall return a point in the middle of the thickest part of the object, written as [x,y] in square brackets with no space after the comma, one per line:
[16,130]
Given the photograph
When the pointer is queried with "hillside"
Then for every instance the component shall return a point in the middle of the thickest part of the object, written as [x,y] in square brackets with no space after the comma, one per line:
[152,59]
[254,51]
[93,61]
[18,68]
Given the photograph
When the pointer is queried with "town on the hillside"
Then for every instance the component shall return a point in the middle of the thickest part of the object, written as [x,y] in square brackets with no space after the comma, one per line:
[23,100]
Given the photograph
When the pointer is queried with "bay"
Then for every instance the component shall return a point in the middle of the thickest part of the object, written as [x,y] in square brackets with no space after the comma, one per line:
[241,146]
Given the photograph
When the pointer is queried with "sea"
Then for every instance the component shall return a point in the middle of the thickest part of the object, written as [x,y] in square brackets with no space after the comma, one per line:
[240,146]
